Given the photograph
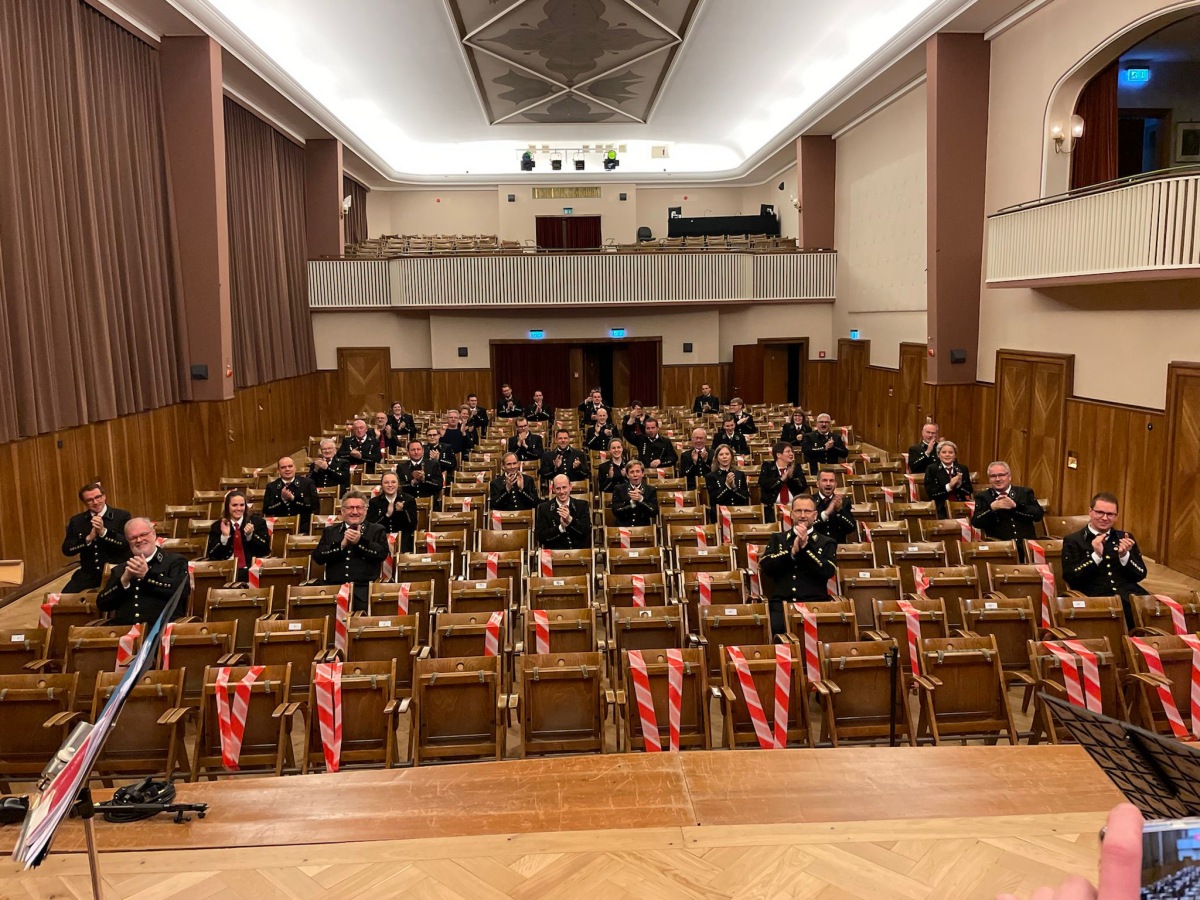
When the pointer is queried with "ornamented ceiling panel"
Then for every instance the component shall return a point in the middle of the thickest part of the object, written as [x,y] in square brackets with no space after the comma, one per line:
[570,61]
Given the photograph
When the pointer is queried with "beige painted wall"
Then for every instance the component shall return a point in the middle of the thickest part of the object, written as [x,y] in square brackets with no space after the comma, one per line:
[879,229]
[1122,338]
[746,324]
[432,212]
[618,218]
[407,335]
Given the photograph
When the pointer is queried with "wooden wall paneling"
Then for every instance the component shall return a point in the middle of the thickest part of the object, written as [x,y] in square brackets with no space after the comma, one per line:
[853,357]
[1144,492]
[620,376]
[679,385]
[451,386]
[914,399]
[412,388]
[965,414]
[1031,416]
[1013,384]
[820,384]
[775,373]
[1181,518]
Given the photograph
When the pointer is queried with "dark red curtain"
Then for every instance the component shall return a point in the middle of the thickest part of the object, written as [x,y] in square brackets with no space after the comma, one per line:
[91,305]
[356,219]
[1094,159]
[643,371]
[533,366]
[567,232]
[272,327]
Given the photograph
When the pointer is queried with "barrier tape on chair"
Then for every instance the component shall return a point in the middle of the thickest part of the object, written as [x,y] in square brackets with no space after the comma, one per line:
[493,566]
[402,598]
[430,542]
[1155,665]
[912,488]
[327,686]
[376,491]
[701,537]
[645,701]
[704,582]
[255,473]
[331,520]
[674,695]
[466,504]
[889,495]
[231,717]
[1070,669]
[866,457]
[785,516]
[491,637]
[541,631]
[679,500]
[341,618]
[966,532]
[546,563]
[497,521]
[783,692]
[831,586]
[255,576]
[270,520]
[812,665]
[159,541]
[1178,618]
[758,717]
[970,505]
[45,617]
[866,529]
[1048,595]
[741,460]
[487,457]
[639,590]
[168,633]
[921,581]
[660,473]
[845,433]
[752,568]
[389,561]
[191,575]
[126,645]
[1091,675]
[912,623]
[848,467]
[625,536]
[1192,641]
[479,477]
[726,517]
[1037,553]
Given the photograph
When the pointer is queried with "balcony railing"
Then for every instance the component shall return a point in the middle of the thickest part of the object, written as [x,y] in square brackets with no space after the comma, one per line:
[570,279]
[1132,229]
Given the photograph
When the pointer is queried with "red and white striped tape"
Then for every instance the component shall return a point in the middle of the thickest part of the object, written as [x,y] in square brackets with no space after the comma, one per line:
[921,582]
[812,665]
[402,598]
[848,468]
[1037,553]
[674,695]
[45,616]
[1048,595]
[912,623]
[866,530]
[466,504]
[389,562]
[497,521]
[1072,680]
[831,586]
[341,619]
[645,701]
[753,570]
[758,717]
[1178,618]
[430,542]
[493,566]
[701,537]
[967,532]
[231,716]
[1091,675]
[191,575]
[639,590]
[546,563]
[167,635]
[255,575]
[270,520]
[625,536]
[704,582]
[785,516]
[912,488]
[479,477]
[541,631]
[679,499]
[491,637]
[783,692]
[1192,641]
[1155,665]
[327,686]
[889,495]
[726,517]
[126,645]
[845,433]
[376,491]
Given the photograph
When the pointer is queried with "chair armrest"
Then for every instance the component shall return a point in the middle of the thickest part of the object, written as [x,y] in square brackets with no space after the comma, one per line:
[610,696]
[1149,678]
[966,632]
[518,647]
[43,665]
[926,682]
[391,708]
[286,710]
[328,656]
[825,687]
[1019,677]
[405,705]
[620,697]
[1149,631]
[601,644]
[176,715]
[1057,634]
[232,659]
[60,719]
[872,634]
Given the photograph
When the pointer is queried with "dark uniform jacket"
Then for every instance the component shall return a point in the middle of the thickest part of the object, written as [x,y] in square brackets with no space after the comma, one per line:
[706,403]
[533,449]
[431,486]
[562,462]
[813,447]
[694,470]
[479,420]
[109,548]
[509,409]
[368,446]
[587,412]
[337,475]
[1014,524]
[359,563]
[256,544]
[937,481]
[402,426]
[610,474]
[660,448]
[146,598]
[800,578]
[598,438]
[1107,577]
[577,535]
[919,460]
[794,434]
[545,414]
[302,504]
[402,519]
[840,524]
[770,484]
[628,513]
[721,494]
[736,442]
[523,494]
[745,424]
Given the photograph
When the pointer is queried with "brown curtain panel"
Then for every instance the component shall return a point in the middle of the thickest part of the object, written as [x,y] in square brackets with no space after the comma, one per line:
[91,305]
[272,328]
[1094,159]
[356,219]
[533,366]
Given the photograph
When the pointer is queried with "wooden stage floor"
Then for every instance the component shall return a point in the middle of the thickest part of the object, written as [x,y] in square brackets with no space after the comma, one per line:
[852,822]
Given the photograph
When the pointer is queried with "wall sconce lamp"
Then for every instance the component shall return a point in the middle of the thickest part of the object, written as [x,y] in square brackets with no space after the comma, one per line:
[1076,132]
[347,202]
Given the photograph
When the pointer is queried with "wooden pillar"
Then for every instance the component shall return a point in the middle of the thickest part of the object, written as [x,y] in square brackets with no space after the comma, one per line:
[816,168]
[323,197]
[957,71]
[194,122]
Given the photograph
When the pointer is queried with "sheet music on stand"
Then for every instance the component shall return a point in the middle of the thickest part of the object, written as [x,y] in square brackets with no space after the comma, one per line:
[1159,775]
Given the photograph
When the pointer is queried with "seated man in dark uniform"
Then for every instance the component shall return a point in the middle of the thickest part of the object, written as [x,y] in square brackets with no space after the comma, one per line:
[329,469]
[477,417]
[1006,512]
[589,407]
[527,445]
[597,435]
[385,435]
[562,522]
[633,426]
[780,481]
[742,419]
[508,407]
[419,475]
[360,447]
[835,518]
[800,562]
[512,490]
[732,438]
[291,495]
[563,459]
[139,589]
[402,423]
[634,501]
[924,453]
[538,411]
[353,550]
[654,450]
[97,537]
[822,447]
[696,461]
[1100,560]
[706,402]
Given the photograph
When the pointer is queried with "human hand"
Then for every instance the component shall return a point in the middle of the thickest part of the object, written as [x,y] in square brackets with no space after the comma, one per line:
[1124,545]
[226,527]
[1098,544]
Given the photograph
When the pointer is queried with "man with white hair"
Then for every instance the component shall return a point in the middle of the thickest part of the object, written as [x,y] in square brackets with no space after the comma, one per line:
[139,589]
[822,447]
[360,447]
[1004,511]
[696,461]
[329,469]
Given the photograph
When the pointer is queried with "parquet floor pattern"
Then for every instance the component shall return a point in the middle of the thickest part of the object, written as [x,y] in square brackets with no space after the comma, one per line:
[942,858]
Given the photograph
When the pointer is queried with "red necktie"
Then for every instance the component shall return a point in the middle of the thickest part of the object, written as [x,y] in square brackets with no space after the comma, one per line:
[239,551]
[785,495]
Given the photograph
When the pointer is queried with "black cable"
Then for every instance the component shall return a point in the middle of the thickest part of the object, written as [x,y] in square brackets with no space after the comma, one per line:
[144,792]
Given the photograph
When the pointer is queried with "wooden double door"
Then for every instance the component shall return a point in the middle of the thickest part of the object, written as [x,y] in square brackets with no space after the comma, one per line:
[1031,418]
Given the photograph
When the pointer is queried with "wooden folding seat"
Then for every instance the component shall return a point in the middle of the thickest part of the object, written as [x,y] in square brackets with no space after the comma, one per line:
[370,709]
[211,501]
[644,628]
[1018,581]
[266,740]
[858,485]
[883,533]
[510,564]
[836,621]
[1046,669]
[722,589]
[690,560]
[511,520]
[561,702]
[636,536]
[457,709]
[435,568]
[560,592]
[295,642]
[952,584]
[24,651]
[207,575]
[950,532]
[393,600]
[281,527]
[327,503]
[742,514]
[455,521]
[671,516]
[890,622]
[149,740]
[1012,621]
[37,712]
[856,557]
[618,590]
[192,647]
[1088,618]
[761,669]
[66,612]
[694,729]
[175,518]
[864,586]
[1060,526]
[563,563]
[718,627]
[505,541]
[384,638]
[1048,550]
[452,544]
[1175,658]
[1153,614]
[312,601]
[481,596]
[241,606]
[923,555]
[299,550]
[962,690]
[634,561]
[913,514]
[565,630]
[980,553]
[281,575]
[861,693]
[190,548]
[690,536]
[229,483]
[466,634]
[92,649]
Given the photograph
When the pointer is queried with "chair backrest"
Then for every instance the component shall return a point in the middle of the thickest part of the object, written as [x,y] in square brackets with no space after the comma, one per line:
[207,575]
[721,626]
[645,628]
[560,592]
[1047,670]
[1051,550]
[415,598]
[480,596]
[177,518]
[69,611]
[241,606]
[564,563]
[37,712]
[561,702]
[445,543]
[1012,621]
[980,553]
[517,539]
[281,527]
[924,554]
[368,720]
[693,701]
[193,647]
[384,639]
[311,601]
[968,697]
[631,535]
[281,574]
[677,534]
[512,520]
[455,520]
[190,548]
[911,514]
[634,561]
[465,634]
[618,590]
[437,568]
[763,670]
[860,678]
[1017,581]
[715,558]
[864,586]
[92,649]
[1152,611]
[1092,617]
[1060,526]
[567,630]
[264,740]
[723,589]
[836,621]
[949,531]
[890,620]
[855,557]
[21,646]
[150,739]
[671,516]
[295,642]
[951,583]
[457,702]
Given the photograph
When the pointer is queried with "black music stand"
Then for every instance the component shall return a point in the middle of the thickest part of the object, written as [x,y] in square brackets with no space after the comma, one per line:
[1159,775]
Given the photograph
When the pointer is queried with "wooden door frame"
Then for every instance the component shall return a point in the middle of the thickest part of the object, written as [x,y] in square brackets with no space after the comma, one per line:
[1177,371]
[1067,361]
[805,341]
[387,372]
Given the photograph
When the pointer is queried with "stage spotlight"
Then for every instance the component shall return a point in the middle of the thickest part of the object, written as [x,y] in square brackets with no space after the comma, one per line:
[611,161]
[579,164]
[556,165]
[527,162]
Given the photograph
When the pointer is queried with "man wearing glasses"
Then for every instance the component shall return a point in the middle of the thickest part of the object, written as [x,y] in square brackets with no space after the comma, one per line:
[1005,511]
[139,589]
[96,536]
[353,550]
[1100,560]
[527,445]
